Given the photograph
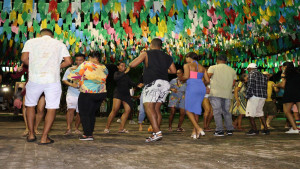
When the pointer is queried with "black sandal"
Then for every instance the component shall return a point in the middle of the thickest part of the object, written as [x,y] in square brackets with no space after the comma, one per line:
[31,140]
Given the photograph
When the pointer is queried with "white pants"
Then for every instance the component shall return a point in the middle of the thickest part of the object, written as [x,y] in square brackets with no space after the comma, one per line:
[52,93]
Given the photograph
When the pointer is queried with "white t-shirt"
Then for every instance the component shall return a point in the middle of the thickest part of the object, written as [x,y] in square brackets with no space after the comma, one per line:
[45,57]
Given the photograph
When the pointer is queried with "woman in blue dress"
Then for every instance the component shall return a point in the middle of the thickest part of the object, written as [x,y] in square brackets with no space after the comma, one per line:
[195,90]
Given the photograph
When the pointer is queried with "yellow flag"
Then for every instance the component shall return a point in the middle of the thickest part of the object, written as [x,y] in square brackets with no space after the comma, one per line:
[57,29]
[28,5]
[20,19]
[13,15]
[44,24]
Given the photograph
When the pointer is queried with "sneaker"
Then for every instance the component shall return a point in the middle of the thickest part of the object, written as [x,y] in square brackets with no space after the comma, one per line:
[119,121]
[219,133]
[86,138]
[292,131]
[252,132]
[265,132]
[229,132]
[132,122]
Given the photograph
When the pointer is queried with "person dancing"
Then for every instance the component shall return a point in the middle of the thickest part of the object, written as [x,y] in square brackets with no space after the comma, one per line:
[44,56]
[291,94]
[176,100]
[121,96]
[72,97]
[92,82]
[157,66]
[195,91]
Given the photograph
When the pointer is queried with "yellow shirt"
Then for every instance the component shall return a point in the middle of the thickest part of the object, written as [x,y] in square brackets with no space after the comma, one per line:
[270,90]
[221,82]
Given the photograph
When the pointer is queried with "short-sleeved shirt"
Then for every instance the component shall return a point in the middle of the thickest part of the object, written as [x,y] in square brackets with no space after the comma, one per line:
[91,77]
[270,91]
[221,83]
[158,65]
[45,57]
[71,90]
[257,85]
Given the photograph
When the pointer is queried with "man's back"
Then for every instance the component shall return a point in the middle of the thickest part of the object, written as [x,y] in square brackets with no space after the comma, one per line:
[45,56]
[158,65]
[257,85]
[222,81]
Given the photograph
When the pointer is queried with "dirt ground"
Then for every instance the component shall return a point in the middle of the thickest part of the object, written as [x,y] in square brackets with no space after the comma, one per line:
[176,150]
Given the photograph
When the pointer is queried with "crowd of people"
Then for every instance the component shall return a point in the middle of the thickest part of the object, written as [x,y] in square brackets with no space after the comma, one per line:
[214,90]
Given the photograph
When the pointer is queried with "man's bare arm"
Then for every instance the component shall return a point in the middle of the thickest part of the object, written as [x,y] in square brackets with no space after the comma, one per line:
[25,58]
[138,60]
[67,62]
[172,69]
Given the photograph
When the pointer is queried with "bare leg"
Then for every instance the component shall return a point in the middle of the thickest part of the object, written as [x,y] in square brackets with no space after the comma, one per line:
[30,114]
[252,122]
[40,113]
[269,119]
[171,117]
[194,119]
[113,113]
[69,117]
[287,110]
[125,115]
[206,106]
[152,116]
[50,116]
[77,121]
[239,121]
[25,118]
[158,113]
[181,117]
[263,121]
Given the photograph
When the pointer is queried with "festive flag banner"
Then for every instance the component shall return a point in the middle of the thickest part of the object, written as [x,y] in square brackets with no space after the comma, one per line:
[265,31]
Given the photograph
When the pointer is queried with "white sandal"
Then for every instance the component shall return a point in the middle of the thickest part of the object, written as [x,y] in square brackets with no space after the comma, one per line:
[155,137]
[106,131]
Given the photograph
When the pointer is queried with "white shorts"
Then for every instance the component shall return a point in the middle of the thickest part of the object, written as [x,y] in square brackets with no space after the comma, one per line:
[255,107]
[72,102]
[52,93]
[157,91]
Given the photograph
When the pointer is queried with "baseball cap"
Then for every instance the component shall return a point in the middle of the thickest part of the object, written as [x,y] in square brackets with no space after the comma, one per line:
[251,65]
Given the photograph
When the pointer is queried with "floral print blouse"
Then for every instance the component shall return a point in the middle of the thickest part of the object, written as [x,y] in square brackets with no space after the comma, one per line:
[90,77]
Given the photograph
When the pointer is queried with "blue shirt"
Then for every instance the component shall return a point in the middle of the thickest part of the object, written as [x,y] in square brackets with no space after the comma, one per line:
[71,90]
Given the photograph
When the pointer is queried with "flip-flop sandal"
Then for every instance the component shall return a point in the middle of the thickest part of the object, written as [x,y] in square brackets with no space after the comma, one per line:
[106,131]
[37,132]
[123,131]
[25,133]
[180,129]
[51,140]
[68,132]
[31,140]
[45,143]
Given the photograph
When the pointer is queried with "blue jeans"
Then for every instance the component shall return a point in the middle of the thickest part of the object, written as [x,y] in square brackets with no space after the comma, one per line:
[221,107]
[142,114]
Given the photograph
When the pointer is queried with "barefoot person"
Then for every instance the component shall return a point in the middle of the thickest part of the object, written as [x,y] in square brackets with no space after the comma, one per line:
[72,96]
[157,65]
[195,91]
[44,56]
[121,96]
[92,76]
[176,99]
